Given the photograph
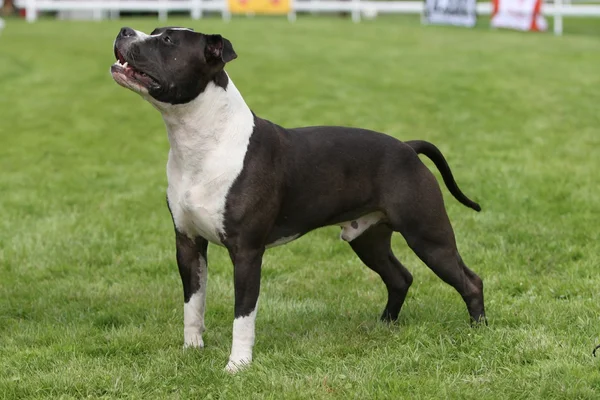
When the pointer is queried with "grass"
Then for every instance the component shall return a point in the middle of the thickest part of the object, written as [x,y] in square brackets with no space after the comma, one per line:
[90,297]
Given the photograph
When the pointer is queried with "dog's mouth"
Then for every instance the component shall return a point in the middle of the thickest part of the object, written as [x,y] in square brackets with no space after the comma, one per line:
[130,76]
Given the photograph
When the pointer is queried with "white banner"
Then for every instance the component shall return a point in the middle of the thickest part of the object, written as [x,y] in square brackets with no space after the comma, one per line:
[450,12]
[524,15]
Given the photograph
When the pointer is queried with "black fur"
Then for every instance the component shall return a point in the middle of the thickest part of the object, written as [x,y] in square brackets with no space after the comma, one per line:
[297,180]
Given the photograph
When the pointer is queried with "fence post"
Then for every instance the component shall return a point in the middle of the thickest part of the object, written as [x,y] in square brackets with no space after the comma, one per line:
[292,13]
[30,11]
[356,10]
[162,10]
[558,17]
[97,14]
[226,14]
[197,9]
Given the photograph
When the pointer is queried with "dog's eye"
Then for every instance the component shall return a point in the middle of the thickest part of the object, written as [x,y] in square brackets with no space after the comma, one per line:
[167,39]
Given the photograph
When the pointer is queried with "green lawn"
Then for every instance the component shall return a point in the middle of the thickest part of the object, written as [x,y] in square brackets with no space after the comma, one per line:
[90,296]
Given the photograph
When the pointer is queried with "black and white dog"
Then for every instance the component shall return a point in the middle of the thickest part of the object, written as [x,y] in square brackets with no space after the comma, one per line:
[247,184]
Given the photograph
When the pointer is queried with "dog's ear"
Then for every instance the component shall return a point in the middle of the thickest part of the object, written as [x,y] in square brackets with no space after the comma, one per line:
[219,48]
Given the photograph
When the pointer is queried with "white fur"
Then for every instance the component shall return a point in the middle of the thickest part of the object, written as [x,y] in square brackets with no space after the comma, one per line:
[193,312]
[366,221]
[209,137]
[145,36]
[141,35]
[181,29]
[243,342]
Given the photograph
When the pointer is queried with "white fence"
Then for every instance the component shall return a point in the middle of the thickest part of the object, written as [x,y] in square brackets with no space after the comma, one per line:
[101,8]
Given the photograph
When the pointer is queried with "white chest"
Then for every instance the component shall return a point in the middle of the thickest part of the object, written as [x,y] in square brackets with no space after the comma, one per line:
[209,138]
[197,198]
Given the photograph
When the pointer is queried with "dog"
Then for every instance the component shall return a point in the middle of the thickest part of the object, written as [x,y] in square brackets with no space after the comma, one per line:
[242,182]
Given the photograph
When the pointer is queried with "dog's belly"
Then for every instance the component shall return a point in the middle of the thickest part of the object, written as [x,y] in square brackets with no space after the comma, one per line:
[350,229]
[283,240]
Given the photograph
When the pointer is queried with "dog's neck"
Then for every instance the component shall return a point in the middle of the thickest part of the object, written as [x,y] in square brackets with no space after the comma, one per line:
[217,120]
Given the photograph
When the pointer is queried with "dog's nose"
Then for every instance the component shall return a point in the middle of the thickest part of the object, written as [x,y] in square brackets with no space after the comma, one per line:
[127,32]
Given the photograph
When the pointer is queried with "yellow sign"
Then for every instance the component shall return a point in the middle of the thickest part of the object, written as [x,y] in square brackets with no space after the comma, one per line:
[272,7]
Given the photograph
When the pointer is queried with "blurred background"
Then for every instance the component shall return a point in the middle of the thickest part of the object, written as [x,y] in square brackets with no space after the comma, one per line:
[90,295]
[519,14]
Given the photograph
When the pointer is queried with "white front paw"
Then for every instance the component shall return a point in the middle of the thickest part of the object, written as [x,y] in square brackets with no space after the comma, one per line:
[193,339]
[234,366]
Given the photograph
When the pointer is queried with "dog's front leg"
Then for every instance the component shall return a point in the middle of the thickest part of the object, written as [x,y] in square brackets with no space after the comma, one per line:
[193,268]
[247,267]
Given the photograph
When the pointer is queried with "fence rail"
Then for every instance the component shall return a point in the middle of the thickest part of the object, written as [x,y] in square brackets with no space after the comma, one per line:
[558,9]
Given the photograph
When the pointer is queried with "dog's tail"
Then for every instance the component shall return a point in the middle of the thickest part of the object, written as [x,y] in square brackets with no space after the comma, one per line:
[433,153]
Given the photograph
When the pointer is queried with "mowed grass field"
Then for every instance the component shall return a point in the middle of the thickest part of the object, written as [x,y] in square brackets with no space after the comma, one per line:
[90,296]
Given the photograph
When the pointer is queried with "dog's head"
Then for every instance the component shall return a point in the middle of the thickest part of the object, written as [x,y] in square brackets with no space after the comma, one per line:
[171,65]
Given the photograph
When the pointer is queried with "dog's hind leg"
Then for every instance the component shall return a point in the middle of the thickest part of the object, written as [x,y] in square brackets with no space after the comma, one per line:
[373,247]
[420,216]
[445,261]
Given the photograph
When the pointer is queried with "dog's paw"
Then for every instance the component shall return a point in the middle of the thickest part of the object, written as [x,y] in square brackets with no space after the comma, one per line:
[234,367]
[193,340]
